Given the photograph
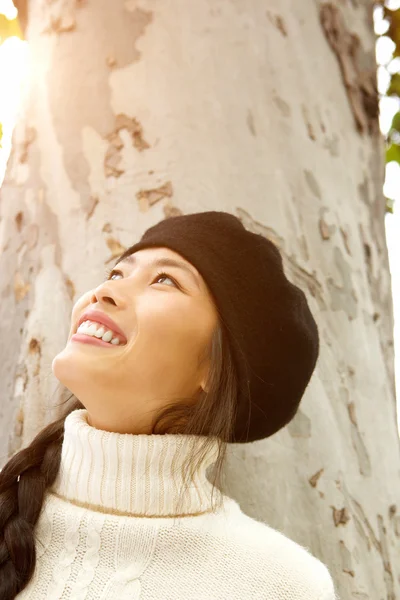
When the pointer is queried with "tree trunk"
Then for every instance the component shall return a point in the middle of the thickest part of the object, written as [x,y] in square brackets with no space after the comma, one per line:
[141,109]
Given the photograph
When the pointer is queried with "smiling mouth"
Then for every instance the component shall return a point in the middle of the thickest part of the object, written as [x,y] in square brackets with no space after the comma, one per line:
[99,333]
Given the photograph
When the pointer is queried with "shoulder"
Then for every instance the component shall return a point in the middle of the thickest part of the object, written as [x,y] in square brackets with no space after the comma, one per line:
[269,554]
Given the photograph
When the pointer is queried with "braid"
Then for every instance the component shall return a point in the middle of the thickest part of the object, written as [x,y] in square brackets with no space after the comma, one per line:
[23,483]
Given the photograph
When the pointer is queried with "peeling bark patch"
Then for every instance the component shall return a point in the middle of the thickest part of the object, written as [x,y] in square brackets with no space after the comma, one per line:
[363,191]
[19,423]
[345,237]
[308,125]
[360,83]
[35,349]
[340,516]
[20,287]
[29,138]
[113,156]
[312,184]
[388,575]
[149,197]
[70,287]
[325,229]
[60,24]
[59,16]
[367,255]
[313,480]
[21,377]
[367,258]
[364,463]
[278,22]
[34,346]
[19,217]
[394,519]
[93,202]
[342,297]
[250,123]
[171,211]
[283,106]
[20,415]
[116,248]
[133,127]
[310,132]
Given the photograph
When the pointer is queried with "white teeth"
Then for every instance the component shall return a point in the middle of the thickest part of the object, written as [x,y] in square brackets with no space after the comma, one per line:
[107,336]
[99,331]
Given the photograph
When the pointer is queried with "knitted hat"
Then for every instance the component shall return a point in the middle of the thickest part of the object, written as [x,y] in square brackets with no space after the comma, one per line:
[273,335]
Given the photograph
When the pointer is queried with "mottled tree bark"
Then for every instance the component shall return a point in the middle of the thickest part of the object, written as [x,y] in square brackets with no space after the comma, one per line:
[141,109]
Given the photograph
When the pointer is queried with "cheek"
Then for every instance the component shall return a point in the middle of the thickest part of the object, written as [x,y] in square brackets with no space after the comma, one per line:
[166,323]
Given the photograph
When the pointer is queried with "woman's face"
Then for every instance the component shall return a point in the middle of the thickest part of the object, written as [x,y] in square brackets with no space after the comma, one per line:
[167,330]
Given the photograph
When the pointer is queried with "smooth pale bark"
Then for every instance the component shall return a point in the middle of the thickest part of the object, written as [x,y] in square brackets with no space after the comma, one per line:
[143,109]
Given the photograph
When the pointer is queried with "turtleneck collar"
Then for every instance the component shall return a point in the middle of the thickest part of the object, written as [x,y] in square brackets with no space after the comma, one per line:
[130,474]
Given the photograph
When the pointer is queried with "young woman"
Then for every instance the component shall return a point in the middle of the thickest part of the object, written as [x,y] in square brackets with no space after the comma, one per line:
[196,339]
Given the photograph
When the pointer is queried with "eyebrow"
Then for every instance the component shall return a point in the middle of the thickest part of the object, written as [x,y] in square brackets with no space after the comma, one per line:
[164,262]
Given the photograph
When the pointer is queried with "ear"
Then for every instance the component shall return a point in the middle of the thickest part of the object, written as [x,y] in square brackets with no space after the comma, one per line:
[203,387]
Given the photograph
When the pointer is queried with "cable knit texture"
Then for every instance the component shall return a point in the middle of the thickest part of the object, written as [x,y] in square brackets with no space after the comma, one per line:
[108,530]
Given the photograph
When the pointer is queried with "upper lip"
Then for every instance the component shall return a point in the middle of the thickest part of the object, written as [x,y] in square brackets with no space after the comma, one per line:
[100,317]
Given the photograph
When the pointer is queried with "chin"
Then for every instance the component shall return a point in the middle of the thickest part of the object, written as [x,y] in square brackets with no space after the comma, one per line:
[65,368]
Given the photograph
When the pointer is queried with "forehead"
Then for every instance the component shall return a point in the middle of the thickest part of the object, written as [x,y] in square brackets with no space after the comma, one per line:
[150,254]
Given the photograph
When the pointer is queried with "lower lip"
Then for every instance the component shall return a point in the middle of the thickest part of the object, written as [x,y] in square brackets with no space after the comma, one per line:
[87,339]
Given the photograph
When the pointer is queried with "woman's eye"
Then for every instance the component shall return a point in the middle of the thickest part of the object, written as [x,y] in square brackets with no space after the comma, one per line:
[161,275]
[111,273]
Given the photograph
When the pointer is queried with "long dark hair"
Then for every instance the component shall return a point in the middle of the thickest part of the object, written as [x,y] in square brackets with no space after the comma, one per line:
[27,475]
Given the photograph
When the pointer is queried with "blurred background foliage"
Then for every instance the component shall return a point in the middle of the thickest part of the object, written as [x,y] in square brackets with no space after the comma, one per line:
[392,23]
[9,28]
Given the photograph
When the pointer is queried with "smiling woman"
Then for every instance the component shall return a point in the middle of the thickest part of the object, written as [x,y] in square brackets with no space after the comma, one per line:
[171,324]
[129,459]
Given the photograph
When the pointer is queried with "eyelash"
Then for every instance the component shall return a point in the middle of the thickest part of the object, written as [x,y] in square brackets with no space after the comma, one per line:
[159,274]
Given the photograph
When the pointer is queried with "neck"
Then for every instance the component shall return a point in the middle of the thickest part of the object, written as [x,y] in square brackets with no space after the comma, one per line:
[132,474]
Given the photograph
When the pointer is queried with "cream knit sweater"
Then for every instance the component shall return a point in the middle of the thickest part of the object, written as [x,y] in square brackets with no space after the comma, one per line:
[106,530]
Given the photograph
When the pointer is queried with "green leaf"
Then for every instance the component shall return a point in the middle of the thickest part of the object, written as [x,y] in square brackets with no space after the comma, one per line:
[389,205]
[9,28]
[393,16]
[393,153]
[394,86]
[396,122]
